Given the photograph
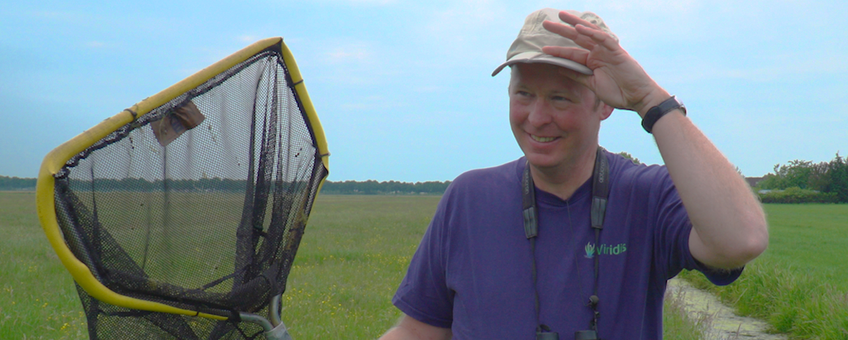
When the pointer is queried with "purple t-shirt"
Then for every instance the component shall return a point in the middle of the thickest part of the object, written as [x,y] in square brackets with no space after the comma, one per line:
[472,270]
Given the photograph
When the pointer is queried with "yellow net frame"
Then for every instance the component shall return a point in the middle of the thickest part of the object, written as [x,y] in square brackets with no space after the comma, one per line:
[56,159]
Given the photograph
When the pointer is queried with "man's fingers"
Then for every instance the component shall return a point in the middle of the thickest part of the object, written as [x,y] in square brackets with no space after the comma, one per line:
[597,36]
[560,28]
[571,53]
[570,33]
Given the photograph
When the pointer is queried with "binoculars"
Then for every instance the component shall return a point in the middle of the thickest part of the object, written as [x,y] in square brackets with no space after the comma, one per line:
[579,335]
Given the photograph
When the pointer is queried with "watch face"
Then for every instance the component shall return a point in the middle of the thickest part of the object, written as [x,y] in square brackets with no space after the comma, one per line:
[680,104]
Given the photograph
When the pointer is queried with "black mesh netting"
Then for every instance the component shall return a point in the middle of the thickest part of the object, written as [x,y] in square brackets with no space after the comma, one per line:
[205,218]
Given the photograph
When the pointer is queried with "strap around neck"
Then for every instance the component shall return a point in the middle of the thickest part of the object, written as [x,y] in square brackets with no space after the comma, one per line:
[600,193]
[600,189]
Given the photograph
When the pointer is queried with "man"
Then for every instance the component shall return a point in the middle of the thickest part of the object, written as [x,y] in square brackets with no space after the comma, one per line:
[478,274]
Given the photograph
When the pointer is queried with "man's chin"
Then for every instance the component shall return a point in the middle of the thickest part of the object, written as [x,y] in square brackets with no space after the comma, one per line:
[541,162]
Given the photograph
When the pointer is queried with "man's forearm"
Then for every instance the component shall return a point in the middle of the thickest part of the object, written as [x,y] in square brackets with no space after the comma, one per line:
[397,333]
[410,329]
[729,224]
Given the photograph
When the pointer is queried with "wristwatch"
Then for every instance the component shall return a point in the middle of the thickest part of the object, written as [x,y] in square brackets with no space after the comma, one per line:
[656,112]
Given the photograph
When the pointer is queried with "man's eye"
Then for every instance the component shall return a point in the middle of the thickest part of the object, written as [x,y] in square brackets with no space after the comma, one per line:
[560,98]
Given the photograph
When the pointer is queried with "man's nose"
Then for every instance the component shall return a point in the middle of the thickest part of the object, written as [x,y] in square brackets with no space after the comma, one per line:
[540,113]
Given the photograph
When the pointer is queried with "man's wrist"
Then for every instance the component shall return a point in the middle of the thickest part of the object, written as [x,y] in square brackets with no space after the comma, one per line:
[651,100]
[656,113]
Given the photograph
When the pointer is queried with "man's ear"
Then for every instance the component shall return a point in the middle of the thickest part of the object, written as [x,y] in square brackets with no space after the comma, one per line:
[604,110]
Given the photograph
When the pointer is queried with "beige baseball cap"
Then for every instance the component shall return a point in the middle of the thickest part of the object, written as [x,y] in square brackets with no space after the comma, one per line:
[527,47]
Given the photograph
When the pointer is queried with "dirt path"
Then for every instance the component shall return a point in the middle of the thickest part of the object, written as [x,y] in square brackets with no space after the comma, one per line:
[701,305]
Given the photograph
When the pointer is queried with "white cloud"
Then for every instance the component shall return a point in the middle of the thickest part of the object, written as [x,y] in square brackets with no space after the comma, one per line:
[358,2]
[465,20]
[247,38]
[650,6]
[372,2]
[429,89]
[466,33]
[95,44]
[374,103]
[68,17]
[346,54]
[758,69]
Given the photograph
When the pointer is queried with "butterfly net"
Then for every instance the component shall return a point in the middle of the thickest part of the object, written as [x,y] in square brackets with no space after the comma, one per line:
[199,204]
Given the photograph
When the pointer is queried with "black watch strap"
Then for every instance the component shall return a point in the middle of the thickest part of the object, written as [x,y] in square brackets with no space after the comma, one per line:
[657,112]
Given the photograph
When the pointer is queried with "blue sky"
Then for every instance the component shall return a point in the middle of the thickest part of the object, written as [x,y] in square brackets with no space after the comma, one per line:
[403,89]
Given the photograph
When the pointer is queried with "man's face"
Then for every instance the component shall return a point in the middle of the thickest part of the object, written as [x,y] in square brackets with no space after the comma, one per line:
[554,119]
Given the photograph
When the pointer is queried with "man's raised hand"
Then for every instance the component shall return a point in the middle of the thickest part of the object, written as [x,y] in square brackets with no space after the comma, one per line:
[617,78]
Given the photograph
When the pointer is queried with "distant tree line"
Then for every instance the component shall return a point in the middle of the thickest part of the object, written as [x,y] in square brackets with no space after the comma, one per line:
[796,182]
[372,187]
[136,184]
[802,181]
[369,187]
[184,185]
[16,183]
[630,157]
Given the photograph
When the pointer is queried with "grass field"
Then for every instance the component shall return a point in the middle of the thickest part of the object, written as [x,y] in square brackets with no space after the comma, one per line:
[351,259]
[800,284]
[37,295]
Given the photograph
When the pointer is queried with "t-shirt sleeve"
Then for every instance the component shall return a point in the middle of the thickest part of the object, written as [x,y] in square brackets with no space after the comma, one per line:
[673,228]
[423,294]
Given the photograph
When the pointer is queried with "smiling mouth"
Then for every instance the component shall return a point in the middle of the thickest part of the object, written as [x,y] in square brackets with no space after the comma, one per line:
[542,139]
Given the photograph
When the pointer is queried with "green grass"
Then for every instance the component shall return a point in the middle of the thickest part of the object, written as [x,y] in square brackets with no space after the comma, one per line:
[812,238]
[677,325]
[800,284]
[37,295]
[352,257]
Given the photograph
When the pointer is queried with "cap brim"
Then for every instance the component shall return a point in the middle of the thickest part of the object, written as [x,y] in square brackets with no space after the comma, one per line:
[536,57]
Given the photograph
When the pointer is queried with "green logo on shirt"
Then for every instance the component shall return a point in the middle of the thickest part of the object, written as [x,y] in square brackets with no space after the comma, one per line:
[604,249]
